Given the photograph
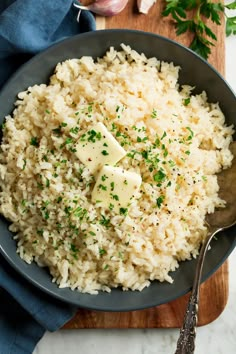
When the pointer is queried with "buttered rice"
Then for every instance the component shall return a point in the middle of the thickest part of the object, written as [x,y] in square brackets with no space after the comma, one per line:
[175,140]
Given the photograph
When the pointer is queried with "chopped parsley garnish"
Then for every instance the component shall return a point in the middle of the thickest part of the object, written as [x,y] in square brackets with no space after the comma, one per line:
[105,222]
[104,177]
[160,200]
[45,158]
[165,153]
[163,135]
[171,163]
[74,130]
[57,131]
[69,141]
[191,133]
[111,206]
[186,101]
[23,202]
[154,113]
[40,185]
[73,248]
[114,127]
[141,140]
[90,107]
[68,210]
[123,211]
[34,141]
[102,251]
[59,199]
[24,165]
[40,232]
[159,176]
[112,186]
[157,142]
[105,153]
[93,135]
[144,154]
[47,183]
[115,196]
[80,213]
[46,214]
[102,187]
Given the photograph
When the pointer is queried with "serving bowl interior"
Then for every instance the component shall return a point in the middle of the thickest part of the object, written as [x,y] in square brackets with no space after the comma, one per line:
[195,72]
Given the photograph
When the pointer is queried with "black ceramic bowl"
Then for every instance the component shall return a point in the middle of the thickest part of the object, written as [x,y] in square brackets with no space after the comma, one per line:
[195,72]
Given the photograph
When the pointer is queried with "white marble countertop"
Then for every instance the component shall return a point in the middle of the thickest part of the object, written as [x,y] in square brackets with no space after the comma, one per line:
[218,337]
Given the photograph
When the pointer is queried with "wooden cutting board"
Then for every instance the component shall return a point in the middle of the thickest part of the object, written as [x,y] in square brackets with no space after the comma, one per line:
[214,292]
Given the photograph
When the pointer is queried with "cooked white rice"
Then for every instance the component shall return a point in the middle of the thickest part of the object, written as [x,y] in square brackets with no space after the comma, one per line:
[166,131]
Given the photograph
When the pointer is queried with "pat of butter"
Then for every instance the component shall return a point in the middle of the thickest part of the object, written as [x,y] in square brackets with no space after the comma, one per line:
[115,188]
[97,147]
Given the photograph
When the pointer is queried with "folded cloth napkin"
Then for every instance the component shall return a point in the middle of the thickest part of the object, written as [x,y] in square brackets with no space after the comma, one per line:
[26,28]
[30,26]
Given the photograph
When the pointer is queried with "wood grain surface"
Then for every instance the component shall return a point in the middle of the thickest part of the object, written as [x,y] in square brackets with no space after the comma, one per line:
[214,292]
[213,299]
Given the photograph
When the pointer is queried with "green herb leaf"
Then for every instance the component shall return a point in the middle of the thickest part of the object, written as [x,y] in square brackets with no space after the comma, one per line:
[231,25]
[231,6]
[34,141]
[123,211]
[191,15]
[160,200]
[24,165]
[47,183]
[102,251]
[104,221]
[40,232]
[105,153]
[115,196]
[74,130]
[186,101]
[159,176]
[154,113]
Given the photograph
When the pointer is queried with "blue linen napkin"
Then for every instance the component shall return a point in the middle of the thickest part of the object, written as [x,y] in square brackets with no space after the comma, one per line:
[26,28]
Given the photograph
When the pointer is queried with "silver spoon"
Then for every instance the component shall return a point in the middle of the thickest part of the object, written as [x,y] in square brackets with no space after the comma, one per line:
[216,222]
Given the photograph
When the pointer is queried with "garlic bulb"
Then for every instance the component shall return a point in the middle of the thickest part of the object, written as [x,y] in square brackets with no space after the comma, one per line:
[104,7]
[145,5]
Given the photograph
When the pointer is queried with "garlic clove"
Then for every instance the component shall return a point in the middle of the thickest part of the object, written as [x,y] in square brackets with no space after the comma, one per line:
[145,5]
[104,7]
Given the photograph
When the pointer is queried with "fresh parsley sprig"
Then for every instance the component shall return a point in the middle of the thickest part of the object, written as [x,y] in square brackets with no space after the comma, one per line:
[204,38]
[231,21]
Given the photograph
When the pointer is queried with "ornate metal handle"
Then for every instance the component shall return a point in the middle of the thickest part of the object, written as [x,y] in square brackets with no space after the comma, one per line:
[186,341]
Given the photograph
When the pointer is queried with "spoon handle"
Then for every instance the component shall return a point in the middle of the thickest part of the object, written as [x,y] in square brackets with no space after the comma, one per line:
[186,341]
